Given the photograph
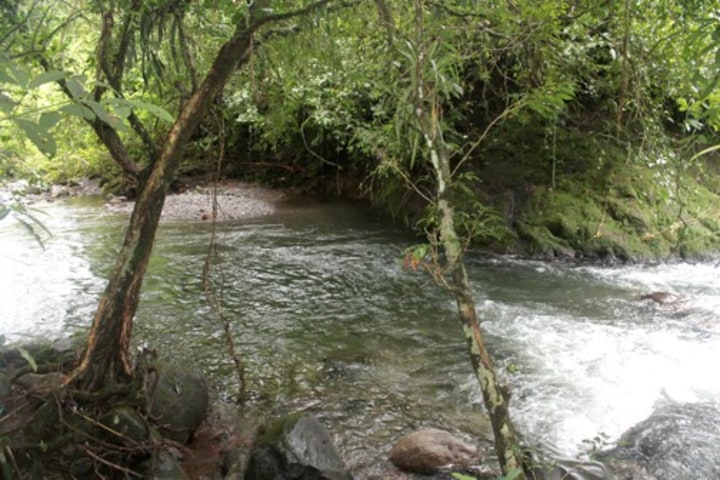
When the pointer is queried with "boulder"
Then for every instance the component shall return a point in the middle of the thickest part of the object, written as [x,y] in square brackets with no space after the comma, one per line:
[179,403]
[677,441]
[429,450]
[295,447]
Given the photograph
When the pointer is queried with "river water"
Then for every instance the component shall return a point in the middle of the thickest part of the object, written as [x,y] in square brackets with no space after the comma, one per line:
[326,320]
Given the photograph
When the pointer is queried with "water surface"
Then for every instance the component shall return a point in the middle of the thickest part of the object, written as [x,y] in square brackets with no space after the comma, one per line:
[326,320]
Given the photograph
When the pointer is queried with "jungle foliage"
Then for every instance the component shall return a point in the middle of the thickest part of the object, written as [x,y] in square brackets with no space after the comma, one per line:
[539,99]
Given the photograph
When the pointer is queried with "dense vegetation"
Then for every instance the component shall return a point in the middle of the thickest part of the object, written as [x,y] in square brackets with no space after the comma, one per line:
[575,126]
[554,128]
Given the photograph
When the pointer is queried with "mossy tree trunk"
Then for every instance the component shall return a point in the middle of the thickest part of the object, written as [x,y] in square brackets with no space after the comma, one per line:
[428,112]
[106,358]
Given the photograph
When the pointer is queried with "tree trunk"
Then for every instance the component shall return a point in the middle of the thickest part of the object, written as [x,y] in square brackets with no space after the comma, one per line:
[429,113]
[494,397]
[106,358]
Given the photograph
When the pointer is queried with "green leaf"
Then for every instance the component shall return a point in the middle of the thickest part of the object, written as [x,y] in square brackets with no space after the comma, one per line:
[7,105]
[78,110]
[49,119]
[100,111]
[75,87]
[22,77]
[26,355]
[159,112]
[46,77]
[38,136]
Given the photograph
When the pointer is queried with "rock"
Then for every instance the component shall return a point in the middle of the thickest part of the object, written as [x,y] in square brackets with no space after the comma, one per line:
[59,191]
[165,466]
[179,403]
[559,468]
[677,441]
[235,463]
[43,351]
[5,385]
[295,447]
[662,298]
[41,384]
[429,450]
[128,425]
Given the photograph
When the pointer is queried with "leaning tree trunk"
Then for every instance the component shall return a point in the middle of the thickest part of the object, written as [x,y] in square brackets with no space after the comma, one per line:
[429,112]
[106,358]
[494,396]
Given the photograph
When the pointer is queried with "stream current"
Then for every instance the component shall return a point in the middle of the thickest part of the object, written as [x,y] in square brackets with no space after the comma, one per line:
[326,320]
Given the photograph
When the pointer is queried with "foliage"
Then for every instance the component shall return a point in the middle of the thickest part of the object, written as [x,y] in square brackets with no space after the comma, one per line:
[25,217]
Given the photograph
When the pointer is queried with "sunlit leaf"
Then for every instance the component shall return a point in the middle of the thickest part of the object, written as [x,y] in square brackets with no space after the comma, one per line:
[49,119]
[7,105]
[29,358]
[78,110]
[75,87]
[46,77]
[38,136]
[159,112]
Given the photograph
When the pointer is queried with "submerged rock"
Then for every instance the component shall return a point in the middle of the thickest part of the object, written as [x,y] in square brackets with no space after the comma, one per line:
[295,447]
[662,298]
[430,450]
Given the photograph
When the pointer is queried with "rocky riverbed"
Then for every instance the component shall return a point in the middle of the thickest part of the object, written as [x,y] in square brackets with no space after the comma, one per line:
[196,201]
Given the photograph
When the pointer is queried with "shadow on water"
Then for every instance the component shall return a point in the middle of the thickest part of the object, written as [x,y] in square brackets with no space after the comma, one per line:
[326,320]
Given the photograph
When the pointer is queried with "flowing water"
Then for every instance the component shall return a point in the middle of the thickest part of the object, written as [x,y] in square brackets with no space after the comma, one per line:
[326,320]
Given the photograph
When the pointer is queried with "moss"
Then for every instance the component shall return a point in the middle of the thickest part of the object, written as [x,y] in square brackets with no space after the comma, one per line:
[601,203]
[273,430]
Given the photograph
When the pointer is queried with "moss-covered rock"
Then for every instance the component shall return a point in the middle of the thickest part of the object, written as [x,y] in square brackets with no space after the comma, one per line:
[295,447]
[179,403]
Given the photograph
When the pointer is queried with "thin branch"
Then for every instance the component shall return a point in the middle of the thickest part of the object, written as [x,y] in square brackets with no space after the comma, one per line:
[483,136]
[259,22]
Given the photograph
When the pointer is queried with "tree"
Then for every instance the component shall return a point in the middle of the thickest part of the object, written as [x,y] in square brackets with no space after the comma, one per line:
[430,79]
[106,359]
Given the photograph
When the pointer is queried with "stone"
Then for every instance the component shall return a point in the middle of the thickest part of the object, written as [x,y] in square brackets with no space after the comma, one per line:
[679,440]
[5,385]
[41,384]
[295,447]
[164,466]
[127,423]
[662,298]
[179,403]
[429,450]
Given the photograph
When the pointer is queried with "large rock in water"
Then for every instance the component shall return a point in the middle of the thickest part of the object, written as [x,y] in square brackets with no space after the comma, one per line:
[295,447]
[429,450]
[678,441]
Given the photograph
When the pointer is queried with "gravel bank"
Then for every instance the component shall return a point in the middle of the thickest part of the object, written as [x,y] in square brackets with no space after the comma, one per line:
[235,200]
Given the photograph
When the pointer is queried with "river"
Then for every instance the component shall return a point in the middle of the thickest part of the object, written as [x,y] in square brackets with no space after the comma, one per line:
[326,320]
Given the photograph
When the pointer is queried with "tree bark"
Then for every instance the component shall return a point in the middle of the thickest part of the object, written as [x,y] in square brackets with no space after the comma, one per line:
[106,357]
[429,113]
[494,396]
